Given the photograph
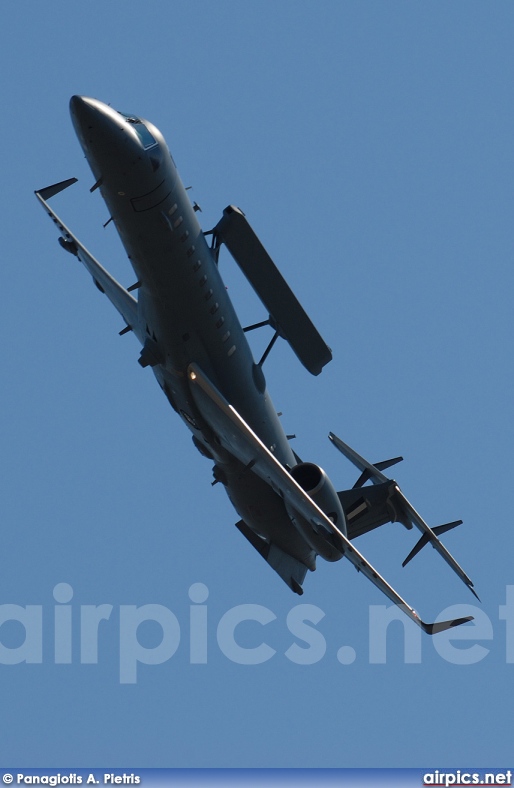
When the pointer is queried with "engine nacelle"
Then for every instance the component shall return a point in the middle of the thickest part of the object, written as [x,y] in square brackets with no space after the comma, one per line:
[315,482]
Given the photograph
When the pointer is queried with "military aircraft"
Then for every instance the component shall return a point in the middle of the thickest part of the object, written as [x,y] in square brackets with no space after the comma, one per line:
[194,343]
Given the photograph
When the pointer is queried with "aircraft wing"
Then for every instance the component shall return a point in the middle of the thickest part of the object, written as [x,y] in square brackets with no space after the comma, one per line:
[238,438]
[286,312]
[124,302]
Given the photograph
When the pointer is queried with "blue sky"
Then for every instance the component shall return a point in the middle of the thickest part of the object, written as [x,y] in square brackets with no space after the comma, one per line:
[370,146]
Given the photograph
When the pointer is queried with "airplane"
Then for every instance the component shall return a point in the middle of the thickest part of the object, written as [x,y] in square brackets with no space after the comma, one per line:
[191,338]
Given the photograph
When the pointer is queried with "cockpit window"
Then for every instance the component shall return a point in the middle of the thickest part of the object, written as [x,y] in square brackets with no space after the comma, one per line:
[144,135]
[142,132]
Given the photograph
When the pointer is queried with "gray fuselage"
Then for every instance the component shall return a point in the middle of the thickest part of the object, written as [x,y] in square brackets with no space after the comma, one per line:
[184,311]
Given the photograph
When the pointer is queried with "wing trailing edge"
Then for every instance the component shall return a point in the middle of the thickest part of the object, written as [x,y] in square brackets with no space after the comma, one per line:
[121,299]
[238,438]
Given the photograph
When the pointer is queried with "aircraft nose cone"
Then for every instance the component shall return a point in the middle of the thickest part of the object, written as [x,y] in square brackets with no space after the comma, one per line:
[95,124]
[110,144]
[78,104]
[83,112]
[75,103]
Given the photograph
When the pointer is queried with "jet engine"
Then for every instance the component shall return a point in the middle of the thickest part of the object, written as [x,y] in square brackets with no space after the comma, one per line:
[315,482]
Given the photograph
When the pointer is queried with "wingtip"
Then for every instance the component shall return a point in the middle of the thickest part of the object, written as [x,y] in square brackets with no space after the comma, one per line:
[442,626]
[470,586]
[51,191]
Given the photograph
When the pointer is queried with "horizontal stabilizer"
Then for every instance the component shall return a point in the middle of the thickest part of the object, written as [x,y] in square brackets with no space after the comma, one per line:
[369,471]
[378,466]
[404,512]
[286,566]
[287,314]
[425,539]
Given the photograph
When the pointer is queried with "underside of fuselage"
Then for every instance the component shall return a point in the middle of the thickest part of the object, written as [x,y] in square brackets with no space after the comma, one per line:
[184,312]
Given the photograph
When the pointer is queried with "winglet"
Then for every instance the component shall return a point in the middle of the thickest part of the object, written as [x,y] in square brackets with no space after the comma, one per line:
[51,191]
[441,626]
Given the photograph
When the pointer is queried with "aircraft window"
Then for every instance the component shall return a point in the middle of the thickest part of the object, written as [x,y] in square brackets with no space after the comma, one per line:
[197,265]
[130,118]
[208,294]
[225,336]
[190,252]
[142,132]
[214,308]
[232,350]
[203,280]
[220,322]
[144,135]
